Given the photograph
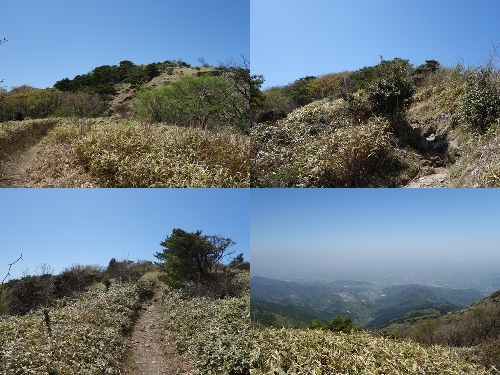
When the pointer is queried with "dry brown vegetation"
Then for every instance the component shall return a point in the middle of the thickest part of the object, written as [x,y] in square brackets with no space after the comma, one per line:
[109,153]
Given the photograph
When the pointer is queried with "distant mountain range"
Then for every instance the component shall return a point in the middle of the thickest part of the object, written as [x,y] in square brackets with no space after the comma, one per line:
[276,302]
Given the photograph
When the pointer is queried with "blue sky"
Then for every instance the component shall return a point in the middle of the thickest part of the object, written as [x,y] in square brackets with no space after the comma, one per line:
[290,39]
[61,227]
[300,229]
[53,39]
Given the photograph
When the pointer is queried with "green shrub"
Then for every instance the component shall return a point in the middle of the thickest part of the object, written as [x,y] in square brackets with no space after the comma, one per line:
[480,105]
[206,102]
[392,89]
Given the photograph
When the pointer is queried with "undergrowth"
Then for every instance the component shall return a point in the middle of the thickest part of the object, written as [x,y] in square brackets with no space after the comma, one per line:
[322,145]
[128,154]
[211,335]
[15,135]
[289,351]
[83,335]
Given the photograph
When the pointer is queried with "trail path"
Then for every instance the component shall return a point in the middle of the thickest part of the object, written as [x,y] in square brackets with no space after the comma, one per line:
[149,347]
[431,177]
[15,172]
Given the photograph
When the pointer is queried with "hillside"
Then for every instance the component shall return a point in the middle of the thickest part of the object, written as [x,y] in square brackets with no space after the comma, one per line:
[391,125]
[281,303]
[318,352]
[157,125]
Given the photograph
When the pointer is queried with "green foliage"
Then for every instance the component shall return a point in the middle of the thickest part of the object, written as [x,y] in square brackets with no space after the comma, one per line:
[288,351]
[212,334]
[337,324]
[298,91]
[318,324]
[480,106]
[191,256]
[24,102]
[425,331]
[345,325]
[206,102]
[392,89]
[363,77]
[239,262]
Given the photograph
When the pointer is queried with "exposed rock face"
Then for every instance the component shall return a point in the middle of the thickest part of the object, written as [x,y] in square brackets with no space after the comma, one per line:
[272,115]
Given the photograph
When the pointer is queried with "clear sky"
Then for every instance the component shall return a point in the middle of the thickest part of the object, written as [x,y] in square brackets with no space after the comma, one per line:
[290,39]
[53,39]
[61,227]
[295,229]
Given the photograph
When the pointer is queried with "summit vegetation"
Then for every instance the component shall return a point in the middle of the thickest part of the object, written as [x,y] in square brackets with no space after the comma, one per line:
[351,327]
[82,320]
[386,125]
[157,125]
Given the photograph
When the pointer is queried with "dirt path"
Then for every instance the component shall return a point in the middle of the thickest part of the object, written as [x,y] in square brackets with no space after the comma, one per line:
[150,347]
[15,172]
[431,177]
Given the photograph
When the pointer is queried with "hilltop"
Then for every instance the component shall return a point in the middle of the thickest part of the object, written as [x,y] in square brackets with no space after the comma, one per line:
[393,125]
[156,125]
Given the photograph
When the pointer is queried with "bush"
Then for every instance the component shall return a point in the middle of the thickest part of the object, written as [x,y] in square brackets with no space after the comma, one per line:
[16,135]
[392,90]
[206,102]
[480,106]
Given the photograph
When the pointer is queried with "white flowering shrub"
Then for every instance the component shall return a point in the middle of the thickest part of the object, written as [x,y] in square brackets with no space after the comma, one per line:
[211,334]
[83,335]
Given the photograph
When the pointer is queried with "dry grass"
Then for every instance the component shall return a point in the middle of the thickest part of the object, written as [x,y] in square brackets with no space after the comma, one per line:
[297,352]
[128,154]
[322,145]
[15,135]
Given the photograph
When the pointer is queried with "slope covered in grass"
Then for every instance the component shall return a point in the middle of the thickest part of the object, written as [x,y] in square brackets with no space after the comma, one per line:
[211,335]
[322,352]
[383,125]
[83,335]
[109,153]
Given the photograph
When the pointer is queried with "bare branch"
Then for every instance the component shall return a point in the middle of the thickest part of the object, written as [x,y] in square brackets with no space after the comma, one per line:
[10,266]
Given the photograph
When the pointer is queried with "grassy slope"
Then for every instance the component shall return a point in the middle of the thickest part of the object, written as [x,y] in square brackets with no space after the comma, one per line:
[318,352]
[86,334]
[325,144]
[124,153]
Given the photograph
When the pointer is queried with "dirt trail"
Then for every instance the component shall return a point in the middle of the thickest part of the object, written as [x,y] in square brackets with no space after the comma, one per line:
[149,349]
[433,177]
[15,172]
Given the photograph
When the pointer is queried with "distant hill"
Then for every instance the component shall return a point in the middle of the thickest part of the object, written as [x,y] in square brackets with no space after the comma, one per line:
[367,304]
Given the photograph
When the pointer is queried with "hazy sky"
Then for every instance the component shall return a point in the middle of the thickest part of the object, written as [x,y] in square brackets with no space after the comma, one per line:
[301,229]
[49,40]
[290,39]
[62,227]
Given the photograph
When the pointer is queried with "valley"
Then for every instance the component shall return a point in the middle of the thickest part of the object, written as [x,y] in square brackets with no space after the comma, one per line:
[373,298]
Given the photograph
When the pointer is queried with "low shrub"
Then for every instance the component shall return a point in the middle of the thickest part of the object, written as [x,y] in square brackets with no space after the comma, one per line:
[16,135]
[321,145]
[213,335]
[79,336]
[322,352]
[126,154]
